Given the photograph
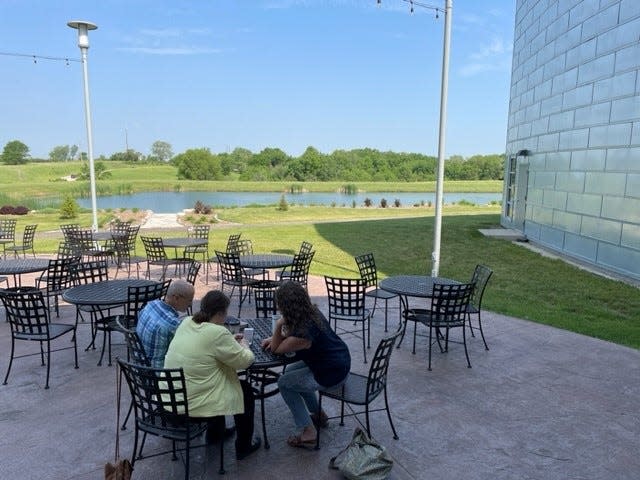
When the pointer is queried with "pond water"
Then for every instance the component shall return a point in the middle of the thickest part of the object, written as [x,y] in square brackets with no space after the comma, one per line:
[171,202]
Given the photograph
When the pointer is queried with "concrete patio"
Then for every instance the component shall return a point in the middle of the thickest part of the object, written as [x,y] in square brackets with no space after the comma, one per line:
[542,403]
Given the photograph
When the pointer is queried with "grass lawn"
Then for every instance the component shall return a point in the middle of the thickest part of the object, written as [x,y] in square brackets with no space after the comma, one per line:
[525,284]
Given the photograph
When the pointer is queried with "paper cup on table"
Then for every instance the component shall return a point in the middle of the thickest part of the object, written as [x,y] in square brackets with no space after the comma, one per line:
[248,335]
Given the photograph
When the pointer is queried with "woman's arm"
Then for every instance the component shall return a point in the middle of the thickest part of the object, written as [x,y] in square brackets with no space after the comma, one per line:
[281,344]
[230,352]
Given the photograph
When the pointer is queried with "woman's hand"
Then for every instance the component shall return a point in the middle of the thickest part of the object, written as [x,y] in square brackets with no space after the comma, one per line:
[238,337]
[266,343]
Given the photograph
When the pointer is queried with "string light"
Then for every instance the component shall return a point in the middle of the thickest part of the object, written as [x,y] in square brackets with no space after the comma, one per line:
[35,58]
[413,3]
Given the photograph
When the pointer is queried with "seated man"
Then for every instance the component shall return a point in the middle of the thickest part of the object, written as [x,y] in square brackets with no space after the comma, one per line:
[159,319]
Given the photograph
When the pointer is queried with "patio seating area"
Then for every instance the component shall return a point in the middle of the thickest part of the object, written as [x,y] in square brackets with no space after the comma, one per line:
[541,403]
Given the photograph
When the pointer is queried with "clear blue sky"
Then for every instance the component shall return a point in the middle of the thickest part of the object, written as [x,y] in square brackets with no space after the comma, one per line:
[256,73]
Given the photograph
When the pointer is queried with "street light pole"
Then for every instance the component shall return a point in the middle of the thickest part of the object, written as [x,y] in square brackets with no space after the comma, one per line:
[83,28]
[444,87]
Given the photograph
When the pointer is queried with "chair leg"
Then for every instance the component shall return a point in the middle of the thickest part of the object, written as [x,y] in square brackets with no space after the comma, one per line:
[464,341]
[135,445]
[470,325]
[386,403]
[366,416]
[319,416]
[415,326]
[104,345]
[342,410]
[264,424]
[486,347]
[126,419]
[430,343]
[386,312]
[364,346]
[6,377]
[41,354]
[48,363]
[75,348]
[174,457]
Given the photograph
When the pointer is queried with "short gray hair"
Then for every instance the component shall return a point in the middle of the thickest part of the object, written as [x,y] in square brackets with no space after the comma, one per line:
[180,288]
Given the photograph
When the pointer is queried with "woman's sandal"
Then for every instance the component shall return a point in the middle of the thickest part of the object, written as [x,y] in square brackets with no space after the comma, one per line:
[297,442]
[322,422]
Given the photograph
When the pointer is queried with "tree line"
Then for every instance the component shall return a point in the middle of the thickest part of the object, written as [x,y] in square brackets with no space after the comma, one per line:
[273,164]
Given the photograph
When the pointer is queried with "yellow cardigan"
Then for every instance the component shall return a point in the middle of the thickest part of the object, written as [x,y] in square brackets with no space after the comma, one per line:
[210,357]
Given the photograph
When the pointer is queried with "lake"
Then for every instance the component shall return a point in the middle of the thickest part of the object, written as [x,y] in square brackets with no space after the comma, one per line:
[171,202]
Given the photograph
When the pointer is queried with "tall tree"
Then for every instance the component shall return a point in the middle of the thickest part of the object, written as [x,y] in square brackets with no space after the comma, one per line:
[162,150]
[59,153]
[198,164]
[15,153]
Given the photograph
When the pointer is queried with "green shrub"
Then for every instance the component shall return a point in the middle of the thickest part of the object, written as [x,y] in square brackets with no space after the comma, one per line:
[353,204]
[383,203]
[349,189]
[135,209]
[466,203]
[396,203]
[283,206]
[69,208]
[367,202]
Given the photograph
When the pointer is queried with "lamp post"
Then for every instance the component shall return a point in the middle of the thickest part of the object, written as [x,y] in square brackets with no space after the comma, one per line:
[83,28]
[444,90]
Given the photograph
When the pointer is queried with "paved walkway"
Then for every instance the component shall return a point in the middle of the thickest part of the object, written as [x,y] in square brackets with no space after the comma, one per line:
[543,403]
[161,220]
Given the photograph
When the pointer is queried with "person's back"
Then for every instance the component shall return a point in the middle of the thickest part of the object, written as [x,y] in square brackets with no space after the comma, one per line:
[159,319]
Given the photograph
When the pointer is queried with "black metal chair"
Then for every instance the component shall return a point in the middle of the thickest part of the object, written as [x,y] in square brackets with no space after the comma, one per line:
[480,278]
[7,234]
[162,409]
[156,255]
[137,297]
[305,247]
[363,390]
[135,354]
[232,246]
[448,310]
[234,276]
[346,298]
[124,247]
[300,267]
[369,273]
[59,276]
[264,298]
[29,319]
[200,232]
[91,272]
[27,242]
[192,275]
[68,229]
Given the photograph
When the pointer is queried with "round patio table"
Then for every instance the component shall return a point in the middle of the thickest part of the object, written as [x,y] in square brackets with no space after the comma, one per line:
[266,261]
[20,266]
[111,292]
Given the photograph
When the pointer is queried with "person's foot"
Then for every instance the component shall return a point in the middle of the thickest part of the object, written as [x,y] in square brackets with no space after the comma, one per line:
[298,441]
[243,453]
[215,437]
[320,422]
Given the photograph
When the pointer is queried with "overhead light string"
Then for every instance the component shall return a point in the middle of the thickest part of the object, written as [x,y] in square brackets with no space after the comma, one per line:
[35,58]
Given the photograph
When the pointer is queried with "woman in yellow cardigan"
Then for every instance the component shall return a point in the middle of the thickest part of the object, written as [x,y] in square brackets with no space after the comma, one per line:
[210,357]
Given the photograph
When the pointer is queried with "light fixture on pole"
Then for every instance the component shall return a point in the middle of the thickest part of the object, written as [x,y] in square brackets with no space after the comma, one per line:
[83,28]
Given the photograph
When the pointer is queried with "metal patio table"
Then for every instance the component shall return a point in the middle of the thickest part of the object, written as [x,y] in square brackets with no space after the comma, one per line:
[18,267]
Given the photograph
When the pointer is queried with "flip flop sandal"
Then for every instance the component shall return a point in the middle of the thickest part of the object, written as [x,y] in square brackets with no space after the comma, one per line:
[297,442]
[322,422]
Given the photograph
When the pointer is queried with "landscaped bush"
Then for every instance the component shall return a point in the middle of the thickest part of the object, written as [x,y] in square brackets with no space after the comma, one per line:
[367,202]
[283,206]
[69,208]
[383,203]
[396,203]
[6,210]
[20,210]
[202,209]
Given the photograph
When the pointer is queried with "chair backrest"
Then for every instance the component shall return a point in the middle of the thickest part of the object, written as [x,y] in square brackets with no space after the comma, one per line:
[66,250]
[26,312]
[91,272]
[192,273]
[8,229]
[232,242]
[300,267]
[154,248]
[449,303]
[265,300]
[61,273]
[480,277]
[134,346]
[165,288]
[200,231]
[138,297]
[377,378]
[346,297]
[367,267]
[230,266]
[68,229]
[159,395]
[132,237]
[28,235]
[244,247]
[82,239]
[305,247]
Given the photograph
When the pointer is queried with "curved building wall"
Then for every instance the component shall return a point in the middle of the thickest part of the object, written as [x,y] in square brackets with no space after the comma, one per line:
[575,107]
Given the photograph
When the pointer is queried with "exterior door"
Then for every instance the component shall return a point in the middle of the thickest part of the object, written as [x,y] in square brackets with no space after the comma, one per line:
[520,203]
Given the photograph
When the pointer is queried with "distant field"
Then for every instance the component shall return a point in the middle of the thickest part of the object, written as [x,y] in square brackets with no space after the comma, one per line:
[41,183]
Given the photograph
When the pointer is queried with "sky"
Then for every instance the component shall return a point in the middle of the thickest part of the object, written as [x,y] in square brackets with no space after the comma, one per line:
[333,74]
